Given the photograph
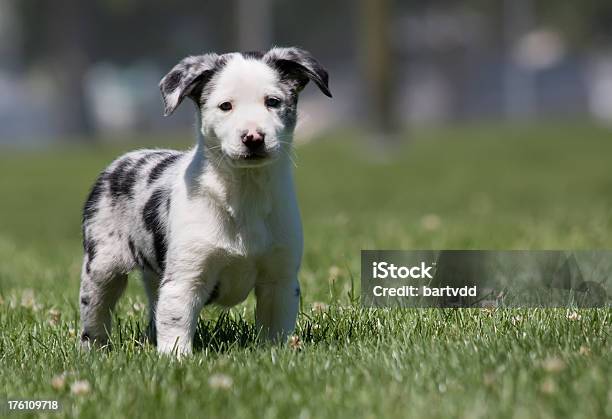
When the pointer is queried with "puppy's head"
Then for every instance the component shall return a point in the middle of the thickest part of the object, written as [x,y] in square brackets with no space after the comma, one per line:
[247,101]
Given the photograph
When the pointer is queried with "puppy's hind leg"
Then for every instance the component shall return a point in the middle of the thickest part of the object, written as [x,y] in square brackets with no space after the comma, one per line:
[99,293]
[151,284]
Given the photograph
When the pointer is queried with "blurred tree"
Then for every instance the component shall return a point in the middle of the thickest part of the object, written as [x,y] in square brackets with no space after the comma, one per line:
[377,61]
[57,37]
[255,24]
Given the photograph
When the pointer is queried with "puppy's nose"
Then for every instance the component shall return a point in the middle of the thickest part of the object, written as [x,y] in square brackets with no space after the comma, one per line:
[253,139]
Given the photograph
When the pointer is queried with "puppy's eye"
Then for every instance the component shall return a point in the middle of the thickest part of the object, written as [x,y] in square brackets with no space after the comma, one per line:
[226,106]
[272,102]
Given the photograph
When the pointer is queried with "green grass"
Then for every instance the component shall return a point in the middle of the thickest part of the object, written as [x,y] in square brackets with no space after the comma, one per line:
[471,187]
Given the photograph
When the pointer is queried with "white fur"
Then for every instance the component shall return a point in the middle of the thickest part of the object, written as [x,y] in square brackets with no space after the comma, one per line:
[239,228]
[233,223]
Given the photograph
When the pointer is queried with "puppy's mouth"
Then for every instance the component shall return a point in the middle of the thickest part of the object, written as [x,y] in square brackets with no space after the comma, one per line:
[252,158]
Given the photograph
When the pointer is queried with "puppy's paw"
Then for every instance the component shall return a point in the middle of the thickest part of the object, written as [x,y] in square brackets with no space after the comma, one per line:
[87,342]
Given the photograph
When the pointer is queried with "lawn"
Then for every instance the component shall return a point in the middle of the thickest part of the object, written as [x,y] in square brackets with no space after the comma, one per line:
[491,186]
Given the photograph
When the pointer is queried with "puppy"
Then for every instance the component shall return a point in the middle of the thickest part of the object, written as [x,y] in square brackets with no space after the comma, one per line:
[210,224]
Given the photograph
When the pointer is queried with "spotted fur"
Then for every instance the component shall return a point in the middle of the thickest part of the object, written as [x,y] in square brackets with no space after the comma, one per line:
[210,224]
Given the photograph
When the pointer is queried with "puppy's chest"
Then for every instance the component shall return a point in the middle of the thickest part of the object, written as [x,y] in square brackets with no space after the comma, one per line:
[248,236]
[241,254]
[248,226]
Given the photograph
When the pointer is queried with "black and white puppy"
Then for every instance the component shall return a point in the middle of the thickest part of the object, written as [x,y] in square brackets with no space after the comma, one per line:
[210,224]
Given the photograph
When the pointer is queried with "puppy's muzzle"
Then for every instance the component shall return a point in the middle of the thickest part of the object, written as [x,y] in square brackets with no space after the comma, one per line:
[254,141]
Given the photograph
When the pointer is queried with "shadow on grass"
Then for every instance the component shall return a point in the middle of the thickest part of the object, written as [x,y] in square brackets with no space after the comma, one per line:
[224,333]
[231,331]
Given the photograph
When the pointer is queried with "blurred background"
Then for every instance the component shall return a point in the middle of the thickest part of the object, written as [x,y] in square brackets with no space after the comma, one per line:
[88,71]
[498,113]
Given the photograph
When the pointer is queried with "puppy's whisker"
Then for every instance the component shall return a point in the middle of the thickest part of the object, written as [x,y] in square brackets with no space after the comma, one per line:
[291,159]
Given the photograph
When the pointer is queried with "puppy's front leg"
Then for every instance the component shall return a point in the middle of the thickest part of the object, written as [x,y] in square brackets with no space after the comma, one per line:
[277,308]
[178,309]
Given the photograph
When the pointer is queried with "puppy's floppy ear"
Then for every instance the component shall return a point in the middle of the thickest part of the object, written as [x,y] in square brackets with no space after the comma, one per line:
[298,65]
[187,78]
